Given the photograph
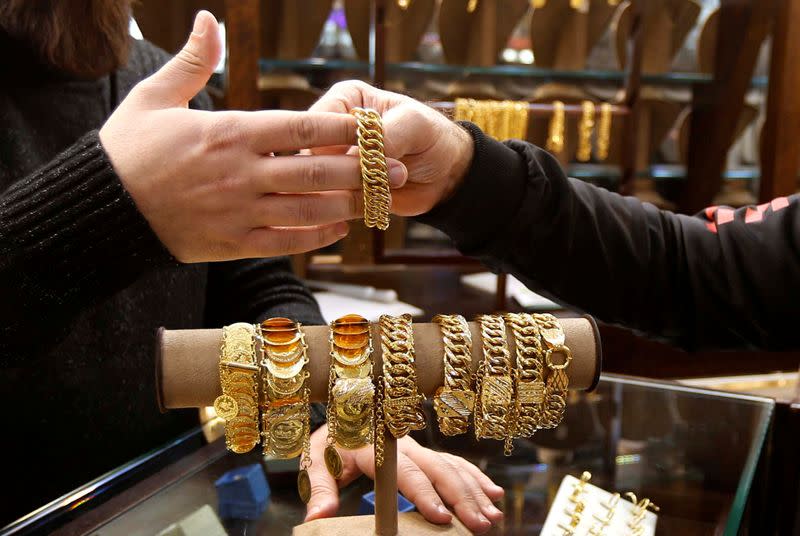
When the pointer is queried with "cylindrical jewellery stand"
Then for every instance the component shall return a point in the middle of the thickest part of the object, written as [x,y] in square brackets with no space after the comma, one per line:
[188,377]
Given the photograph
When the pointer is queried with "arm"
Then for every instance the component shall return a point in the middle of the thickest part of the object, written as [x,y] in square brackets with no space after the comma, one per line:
[725,283]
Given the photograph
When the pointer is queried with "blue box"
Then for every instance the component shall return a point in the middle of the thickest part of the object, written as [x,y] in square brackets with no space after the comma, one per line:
[367,506]
[243,493]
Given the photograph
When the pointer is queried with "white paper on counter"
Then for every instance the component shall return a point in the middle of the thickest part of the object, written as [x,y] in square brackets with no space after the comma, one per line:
[335,305]
[487,282]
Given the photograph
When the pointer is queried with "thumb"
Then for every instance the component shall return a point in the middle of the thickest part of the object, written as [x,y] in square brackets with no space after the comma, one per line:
[181,78]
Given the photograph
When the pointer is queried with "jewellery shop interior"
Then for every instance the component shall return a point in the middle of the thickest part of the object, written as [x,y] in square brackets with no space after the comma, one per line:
[452,398]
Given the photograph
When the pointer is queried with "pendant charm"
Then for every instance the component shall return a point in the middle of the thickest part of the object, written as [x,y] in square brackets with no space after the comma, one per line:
[304,486]
[333,461]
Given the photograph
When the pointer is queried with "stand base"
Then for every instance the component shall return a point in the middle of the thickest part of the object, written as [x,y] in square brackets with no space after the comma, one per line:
[410,524]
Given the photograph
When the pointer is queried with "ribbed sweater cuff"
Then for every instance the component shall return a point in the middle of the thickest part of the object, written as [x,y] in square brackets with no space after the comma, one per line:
[492,188]
[74,220]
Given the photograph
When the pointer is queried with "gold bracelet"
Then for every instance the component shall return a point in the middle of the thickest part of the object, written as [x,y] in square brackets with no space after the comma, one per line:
[374,170]
[285,417]
[455,400]
[529,377]
[350,389]
[555,391]
[604,132]
[399,407]
[555,137]
[238,377]
[472,5]
[585,130]
[494,385]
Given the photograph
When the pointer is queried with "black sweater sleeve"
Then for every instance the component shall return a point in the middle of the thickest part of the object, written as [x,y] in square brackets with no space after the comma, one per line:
[69,233]
[723,279]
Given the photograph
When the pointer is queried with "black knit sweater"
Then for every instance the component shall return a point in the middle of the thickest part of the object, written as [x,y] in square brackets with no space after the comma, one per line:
[85,283]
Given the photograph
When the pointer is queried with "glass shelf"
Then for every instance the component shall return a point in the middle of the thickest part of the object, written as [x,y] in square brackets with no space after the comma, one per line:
[678,79]
[692,451]
[657,172]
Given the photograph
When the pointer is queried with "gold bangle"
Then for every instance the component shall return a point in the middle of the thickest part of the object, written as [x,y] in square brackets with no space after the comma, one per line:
[494,385]
[238,377]
[555,137]
[285,416]
[350,389]
[585,130]
[455,400]
[529,377]
[555,391]
[374,170]
[400,404]
[604,132]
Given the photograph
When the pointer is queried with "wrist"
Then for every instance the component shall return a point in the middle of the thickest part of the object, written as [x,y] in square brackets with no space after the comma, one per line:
[464,150]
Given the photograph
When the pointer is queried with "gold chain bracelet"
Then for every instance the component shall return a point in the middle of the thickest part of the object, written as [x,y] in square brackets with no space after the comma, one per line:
[494,386]
[555,136]
[604,132]
[455,400]
[555,391]
[350,389]
[238,377]
[529,388]
[585,130]
[374,170]
[400,404]
[285,416]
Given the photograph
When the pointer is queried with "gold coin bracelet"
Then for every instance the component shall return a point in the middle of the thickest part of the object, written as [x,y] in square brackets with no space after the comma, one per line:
[529,377]
[494,386]
[351,391]
[399,407]
[585,130]
[238,377]
[555,135]
[455,400]
[285,415]
[555,391]
[374,170]
[604,131]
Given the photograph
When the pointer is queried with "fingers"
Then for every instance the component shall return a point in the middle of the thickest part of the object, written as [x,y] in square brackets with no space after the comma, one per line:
[324,500]
[283,130]
[277,241]
[181,78]
[316,173]
[458,488]
[417,488]
[298,210]
[492,490]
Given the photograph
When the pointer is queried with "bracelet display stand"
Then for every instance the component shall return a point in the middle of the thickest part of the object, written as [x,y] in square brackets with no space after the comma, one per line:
[187,377]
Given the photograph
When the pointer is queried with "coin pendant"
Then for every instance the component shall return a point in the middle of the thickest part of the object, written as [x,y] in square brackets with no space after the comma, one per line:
[333,461]
[304,486]
[226,407]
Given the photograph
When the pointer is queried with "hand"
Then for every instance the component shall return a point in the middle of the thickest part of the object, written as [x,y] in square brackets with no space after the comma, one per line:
[207,181]
[425,477]
[436,151]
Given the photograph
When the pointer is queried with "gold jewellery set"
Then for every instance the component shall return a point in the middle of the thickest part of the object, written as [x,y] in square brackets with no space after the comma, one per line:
[503,120]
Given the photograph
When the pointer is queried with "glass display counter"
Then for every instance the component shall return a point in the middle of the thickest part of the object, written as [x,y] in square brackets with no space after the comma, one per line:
[692,451]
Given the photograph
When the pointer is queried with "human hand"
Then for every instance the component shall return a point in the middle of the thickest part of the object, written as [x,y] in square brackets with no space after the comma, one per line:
[207,182]
[427,478]
[436,151]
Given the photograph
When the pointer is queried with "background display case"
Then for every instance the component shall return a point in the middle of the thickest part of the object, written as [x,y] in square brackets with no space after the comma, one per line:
[694,452]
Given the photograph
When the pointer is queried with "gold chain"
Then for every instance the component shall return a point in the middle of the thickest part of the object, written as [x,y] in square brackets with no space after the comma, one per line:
[604,132]
[529,373]
[374,170]
[455,400]
[380,425]
[496,385]
[555,137]
[585,130]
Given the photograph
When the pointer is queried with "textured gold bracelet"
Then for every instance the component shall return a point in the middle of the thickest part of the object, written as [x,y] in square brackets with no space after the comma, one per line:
[455,400]
[495,386]
[238,377]
[285,416]
[604,132]
[529,377]
[555,136]
[555,391]
[400,404]
[374,170]
[351,392]
[585,130]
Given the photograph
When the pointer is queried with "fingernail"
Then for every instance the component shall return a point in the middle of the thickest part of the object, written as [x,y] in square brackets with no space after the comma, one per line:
[341,228]
[484,521]
[397,173]
[199,26]
[494,511]
[311,511]
[442,510]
